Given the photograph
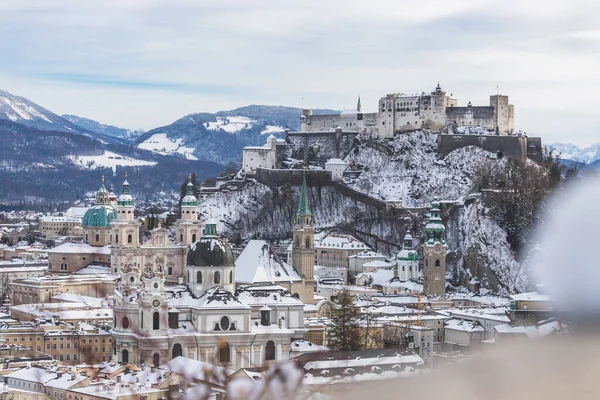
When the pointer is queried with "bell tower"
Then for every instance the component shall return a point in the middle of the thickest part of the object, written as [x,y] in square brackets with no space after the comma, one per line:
[434,254]
[125,232]
[189,228]
[303,246]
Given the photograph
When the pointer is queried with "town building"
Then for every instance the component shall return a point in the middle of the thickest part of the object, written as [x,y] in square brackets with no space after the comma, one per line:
[50,226]
[356,261]
[434,254]
[530,308]
[463,335]
[337,167]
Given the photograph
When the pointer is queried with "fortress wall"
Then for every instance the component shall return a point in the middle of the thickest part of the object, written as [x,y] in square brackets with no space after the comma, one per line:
[510,146]
[483,116]
[318,147]
[320,122]
[280,177]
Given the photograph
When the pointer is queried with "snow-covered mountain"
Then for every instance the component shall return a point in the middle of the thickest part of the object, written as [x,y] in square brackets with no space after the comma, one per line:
[571,152]
[220,137]
[95,126]
[23,111]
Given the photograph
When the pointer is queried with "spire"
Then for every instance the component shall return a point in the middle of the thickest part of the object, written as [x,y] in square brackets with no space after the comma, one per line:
[435,230]
[303,205]
[210,228]
[102,187]
[358,105]
[125,199]
[125,185]
[189,200]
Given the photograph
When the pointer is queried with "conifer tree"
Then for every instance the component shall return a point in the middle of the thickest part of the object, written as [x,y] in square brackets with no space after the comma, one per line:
[344,333]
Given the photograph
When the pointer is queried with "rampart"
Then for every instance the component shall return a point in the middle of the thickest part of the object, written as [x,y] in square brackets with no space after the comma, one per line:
[509,146]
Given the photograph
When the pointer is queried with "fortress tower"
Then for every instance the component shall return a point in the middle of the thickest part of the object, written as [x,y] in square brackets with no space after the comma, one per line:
[434,254]
[303,247]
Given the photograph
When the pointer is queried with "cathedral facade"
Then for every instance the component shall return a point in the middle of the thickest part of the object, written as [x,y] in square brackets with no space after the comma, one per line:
[181,299]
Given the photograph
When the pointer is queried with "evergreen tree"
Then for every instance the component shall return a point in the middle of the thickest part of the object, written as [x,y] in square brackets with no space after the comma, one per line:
[344,333]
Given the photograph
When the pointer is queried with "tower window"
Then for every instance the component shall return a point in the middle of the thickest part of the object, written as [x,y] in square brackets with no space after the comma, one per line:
[129,238]
[156,359]
[437,263]
[297,242]
[177,350]
[217,277]
[194,237]
[117,238]
[225,323]
[125,323]
[270,351]
[125,356]
[224,353]
[308,243]
[199,277]
[230,276]
[156,321]
[97,237]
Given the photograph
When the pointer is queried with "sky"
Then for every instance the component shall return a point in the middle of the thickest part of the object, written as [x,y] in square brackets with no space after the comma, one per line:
[146,63]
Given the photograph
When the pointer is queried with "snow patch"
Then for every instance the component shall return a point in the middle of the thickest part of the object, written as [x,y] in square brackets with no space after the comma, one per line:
[160,143]
[230,124]
[108,159]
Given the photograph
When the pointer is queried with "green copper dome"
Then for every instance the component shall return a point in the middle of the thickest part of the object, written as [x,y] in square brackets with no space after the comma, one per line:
[435,230]
[407,253]
[99,215]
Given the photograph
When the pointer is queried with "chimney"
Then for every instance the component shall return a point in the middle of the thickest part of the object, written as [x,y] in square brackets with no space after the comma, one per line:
[118,378]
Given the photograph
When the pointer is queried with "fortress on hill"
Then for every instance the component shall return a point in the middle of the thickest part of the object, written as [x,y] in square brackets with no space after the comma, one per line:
[399,113]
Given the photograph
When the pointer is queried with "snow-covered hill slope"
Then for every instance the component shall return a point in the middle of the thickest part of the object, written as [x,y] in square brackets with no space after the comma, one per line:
[414,173]
[108,159]
[160,143]
[478,246]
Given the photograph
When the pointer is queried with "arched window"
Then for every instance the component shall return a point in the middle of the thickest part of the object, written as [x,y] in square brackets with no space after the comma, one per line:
[156,321]
[194,237]
[86,237]
[181,237]
[177,350]
[117,238]
[125,356]
[97,237]
[308,243]
[199,277]
[129,238]
[437,263]
[156,359]
[217,277]
[224,353]
[270,351]
[297,242]
[230,276]
[125,323]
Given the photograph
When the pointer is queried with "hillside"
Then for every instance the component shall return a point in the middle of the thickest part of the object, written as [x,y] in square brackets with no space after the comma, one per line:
[44,167]
[220,137]
[411,172]
[110,130]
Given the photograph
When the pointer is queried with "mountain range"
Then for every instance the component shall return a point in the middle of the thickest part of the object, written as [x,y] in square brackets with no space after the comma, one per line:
[574,153]
[42,150]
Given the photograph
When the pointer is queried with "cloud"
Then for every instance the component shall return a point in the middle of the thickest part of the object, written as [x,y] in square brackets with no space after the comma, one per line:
[206,55]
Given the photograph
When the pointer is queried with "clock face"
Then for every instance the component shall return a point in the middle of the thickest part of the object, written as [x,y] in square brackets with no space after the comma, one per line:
[156,303]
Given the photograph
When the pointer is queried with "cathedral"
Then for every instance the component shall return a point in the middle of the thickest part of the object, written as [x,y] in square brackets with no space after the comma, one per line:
[182,299]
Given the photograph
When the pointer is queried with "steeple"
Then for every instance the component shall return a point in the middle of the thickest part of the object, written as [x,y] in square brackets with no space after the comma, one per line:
[210,229]
[303,214]
[189,200]
[358,105]
[435,230]
[125,199]
[102,195]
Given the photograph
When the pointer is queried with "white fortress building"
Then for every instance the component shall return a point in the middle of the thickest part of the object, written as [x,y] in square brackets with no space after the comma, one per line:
[261,156]
[399,113]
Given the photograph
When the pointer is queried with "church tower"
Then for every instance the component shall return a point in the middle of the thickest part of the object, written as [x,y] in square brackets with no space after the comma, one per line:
[189,228]
[125,232]
[434,254]
[97,219]
[303,246]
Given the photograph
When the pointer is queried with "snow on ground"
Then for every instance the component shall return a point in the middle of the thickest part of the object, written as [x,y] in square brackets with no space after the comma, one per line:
[414,173]
[230,124]
[108,159]
[160,143]
[271,129]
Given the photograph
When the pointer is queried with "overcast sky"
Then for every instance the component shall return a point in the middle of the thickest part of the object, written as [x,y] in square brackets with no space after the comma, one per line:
[143,63]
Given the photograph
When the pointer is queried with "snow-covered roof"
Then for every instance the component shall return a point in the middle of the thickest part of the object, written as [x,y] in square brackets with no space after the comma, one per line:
[94,269]
[532,331]
[341,241]
[217,297]
[76,212]
[259,264]
[198,370]
[51,218]
[305,346]
[368,254]
[465,326]
[335,161]
[377,264]
[79,248]
[266,296]
[531,296]
[63,381]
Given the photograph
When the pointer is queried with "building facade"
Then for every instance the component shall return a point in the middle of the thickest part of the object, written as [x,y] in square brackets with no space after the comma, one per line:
[434,254]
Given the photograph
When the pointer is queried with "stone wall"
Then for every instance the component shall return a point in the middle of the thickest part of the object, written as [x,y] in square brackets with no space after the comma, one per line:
[318,147]
[280,177]
[509,146]
[465,116]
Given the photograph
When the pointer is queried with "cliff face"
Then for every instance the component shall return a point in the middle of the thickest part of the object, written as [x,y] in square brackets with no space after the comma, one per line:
[407,172]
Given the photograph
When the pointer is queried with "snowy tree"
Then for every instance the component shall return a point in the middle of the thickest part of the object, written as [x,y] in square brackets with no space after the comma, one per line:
[344,333]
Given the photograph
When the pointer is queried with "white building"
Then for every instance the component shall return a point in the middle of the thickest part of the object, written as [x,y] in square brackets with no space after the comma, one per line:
[407,261]
[357,261]
[460,333]
[337,167]
[265,156]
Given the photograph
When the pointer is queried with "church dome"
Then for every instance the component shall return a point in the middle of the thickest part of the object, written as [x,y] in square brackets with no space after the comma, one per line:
[210,250]
[99,215]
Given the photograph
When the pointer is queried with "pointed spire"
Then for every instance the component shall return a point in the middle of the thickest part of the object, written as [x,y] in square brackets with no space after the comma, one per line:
[125,199]
[358,105]
[189,200]
[303,205]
